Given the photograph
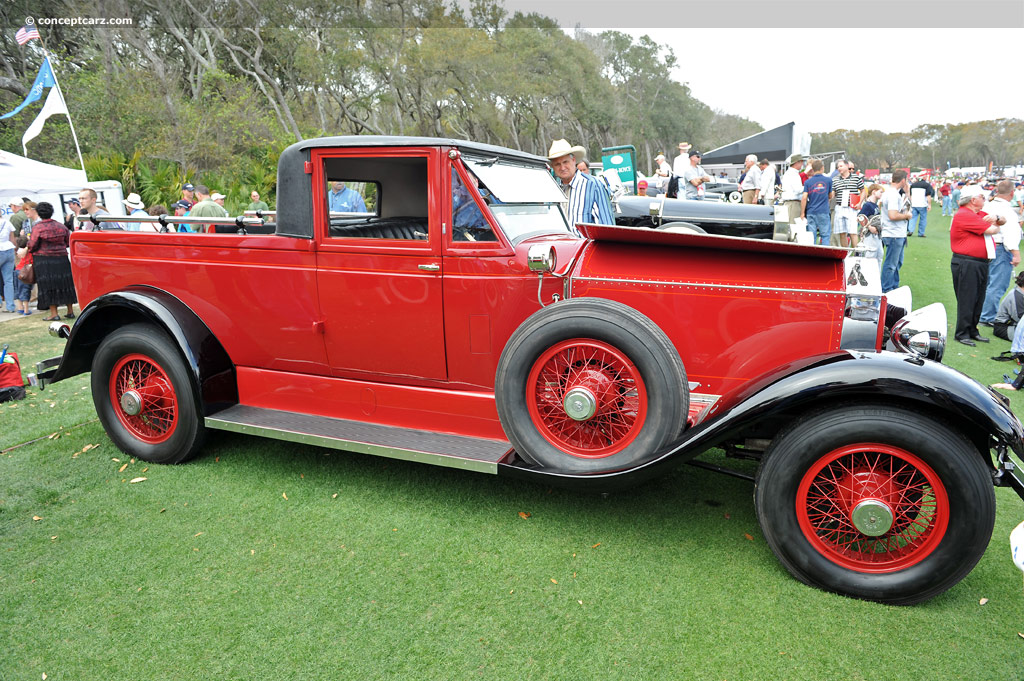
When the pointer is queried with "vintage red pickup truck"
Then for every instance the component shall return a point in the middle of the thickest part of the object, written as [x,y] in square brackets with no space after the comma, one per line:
[426,299]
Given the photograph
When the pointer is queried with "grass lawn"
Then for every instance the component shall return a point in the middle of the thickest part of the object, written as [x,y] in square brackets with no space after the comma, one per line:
[261,560]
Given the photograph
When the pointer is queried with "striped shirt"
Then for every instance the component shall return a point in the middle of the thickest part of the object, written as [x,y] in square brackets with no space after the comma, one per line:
[854,184]
[589,202]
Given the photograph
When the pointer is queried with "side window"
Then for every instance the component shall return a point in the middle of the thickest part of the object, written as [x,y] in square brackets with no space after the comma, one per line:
[348,198]
[377,198]
[468,222]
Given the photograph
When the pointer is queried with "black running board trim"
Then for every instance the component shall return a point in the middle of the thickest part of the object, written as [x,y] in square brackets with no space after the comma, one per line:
[439,449]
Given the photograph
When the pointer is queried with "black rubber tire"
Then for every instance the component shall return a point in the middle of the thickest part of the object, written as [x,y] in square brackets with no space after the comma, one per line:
[188,432]
[954,460]
[735,197]
[620,326]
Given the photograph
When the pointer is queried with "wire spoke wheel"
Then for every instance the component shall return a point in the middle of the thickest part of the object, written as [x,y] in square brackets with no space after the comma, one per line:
[587,398]
[589,385]
[143,398]
[872,507]
[875,502]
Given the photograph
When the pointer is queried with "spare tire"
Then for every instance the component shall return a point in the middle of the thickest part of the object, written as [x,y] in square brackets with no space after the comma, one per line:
[588,385]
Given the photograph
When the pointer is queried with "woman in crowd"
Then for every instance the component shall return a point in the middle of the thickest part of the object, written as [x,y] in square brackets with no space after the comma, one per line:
[870,225]
[49,248]
[31,218]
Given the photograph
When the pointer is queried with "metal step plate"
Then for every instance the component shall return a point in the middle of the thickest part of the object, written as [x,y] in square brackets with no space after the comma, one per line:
[439,449]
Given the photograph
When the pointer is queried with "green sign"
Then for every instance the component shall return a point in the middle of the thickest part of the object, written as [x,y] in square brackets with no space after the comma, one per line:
[623,161]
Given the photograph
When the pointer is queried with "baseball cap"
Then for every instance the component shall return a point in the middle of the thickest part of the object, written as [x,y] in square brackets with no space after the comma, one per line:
[188,186]
[181,204]
[694,152]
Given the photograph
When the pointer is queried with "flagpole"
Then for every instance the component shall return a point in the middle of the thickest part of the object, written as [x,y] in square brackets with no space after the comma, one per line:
[56,84]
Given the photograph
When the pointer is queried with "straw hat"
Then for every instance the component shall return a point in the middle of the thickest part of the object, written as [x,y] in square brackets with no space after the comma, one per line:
[560,148]
[134,201]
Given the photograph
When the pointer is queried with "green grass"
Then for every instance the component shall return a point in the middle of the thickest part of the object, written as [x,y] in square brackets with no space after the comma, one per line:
[374,569]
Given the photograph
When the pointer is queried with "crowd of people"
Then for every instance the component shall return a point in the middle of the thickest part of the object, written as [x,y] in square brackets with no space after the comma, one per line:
[34,264]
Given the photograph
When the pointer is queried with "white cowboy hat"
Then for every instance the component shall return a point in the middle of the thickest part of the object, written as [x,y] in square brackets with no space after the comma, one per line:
[560,148]
[134,201]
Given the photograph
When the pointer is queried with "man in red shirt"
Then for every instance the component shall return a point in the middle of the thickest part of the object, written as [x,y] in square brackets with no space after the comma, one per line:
[947,202]
[972,249]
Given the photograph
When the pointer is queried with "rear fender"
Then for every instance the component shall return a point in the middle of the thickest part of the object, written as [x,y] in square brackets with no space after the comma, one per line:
[837,379]
[210,367]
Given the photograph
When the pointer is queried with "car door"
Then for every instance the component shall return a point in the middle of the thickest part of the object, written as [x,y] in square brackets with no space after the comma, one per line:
[379,262]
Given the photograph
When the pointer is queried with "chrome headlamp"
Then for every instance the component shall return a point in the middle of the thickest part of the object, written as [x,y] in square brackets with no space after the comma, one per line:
[922,332]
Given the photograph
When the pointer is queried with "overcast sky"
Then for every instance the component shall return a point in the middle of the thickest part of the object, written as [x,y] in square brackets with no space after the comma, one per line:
[959,86]
[873,96]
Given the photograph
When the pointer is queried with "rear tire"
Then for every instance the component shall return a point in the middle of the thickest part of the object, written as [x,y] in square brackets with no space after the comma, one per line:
[589,385]
[877,503]
[144,396]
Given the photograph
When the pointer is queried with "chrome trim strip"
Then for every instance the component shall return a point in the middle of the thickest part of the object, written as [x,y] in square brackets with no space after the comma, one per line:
[667,219]
[354,446]
[731,286]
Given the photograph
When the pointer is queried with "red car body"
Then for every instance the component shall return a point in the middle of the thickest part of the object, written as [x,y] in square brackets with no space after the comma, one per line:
[595,359]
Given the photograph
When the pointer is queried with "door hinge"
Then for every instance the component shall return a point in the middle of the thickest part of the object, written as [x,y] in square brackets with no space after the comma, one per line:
[318,326]
[308,167]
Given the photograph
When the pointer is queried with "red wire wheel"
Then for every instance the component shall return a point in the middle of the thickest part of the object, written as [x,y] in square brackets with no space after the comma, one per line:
[143,398]
[608,392]
[872,508]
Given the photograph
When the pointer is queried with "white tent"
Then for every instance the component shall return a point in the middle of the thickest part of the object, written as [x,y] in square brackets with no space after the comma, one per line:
[20,176]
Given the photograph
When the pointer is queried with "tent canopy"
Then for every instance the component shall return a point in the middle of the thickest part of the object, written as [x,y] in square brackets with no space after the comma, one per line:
[20,176]
[776,145]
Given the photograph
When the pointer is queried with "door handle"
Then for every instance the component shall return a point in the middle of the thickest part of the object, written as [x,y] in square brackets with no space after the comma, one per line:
[430,267]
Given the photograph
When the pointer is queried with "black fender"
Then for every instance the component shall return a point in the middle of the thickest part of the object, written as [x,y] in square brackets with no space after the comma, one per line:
[211,369]
[842,378]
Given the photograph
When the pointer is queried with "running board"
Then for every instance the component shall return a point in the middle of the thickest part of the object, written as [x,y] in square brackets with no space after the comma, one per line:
[439,449]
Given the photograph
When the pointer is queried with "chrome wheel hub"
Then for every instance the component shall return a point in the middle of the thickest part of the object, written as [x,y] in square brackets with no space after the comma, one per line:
[580,404]
[131,402]
[872,517]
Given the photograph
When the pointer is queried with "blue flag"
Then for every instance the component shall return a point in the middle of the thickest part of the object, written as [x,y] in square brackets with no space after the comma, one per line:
[43,80]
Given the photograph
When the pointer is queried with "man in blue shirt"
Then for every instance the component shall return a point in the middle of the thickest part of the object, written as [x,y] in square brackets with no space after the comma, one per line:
[589,201]
[341,199]
[815,201]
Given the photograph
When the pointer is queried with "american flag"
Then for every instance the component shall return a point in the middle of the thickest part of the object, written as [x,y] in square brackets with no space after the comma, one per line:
[26,33]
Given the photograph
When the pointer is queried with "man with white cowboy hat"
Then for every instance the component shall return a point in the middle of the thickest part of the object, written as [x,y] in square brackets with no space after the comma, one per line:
[137,207]
[681,162]
[589,201]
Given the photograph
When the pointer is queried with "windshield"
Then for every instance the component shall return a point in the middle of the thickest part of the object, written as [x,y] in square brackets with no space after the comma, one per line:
[519,219]
[523,198]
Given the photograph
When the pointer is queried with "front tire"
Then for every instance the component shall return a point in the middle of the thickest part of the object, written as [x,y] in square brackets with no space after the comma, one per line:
[735,197]
[145,397]
[589,385]
[877,503]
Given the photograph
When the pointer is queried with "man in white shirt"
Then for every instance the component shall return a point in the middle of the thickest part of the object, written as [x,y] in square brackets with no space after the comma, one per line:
[751,184]
[682,161]
[793,186]
[662,173]
[1007,257]
[895,213]
[766,190]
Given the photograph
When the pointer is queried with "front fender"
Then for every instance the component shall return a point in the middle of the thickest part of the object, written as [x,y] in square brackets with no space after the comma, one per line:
[209,365]
[837,379]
